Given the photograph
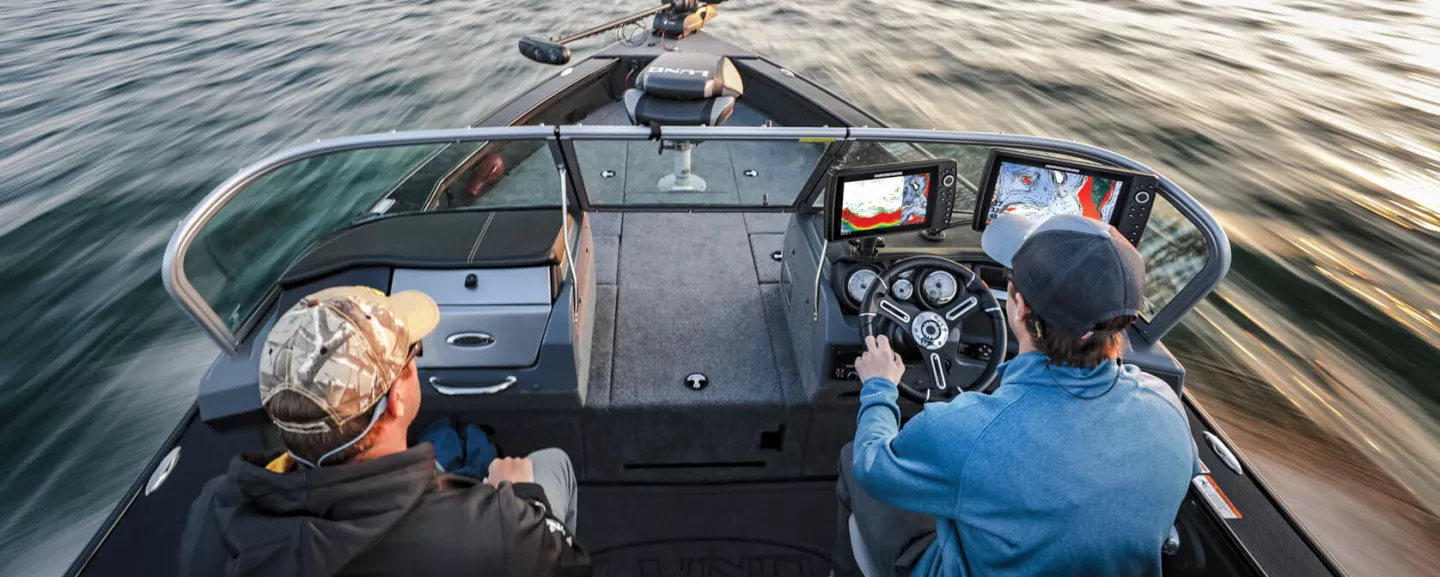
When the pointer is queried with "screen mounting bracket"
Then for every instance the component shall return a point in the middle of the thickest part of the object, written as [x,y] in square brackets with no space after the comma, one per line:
[868,247]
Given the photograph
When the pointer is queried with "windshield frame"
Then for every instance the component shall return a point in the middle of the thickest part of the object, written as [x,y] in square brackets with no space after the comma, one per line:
[178,285]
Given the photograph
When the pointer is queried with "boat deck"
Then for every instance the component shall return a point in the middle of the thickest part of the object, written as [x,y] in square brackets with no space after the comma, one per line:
[681,293]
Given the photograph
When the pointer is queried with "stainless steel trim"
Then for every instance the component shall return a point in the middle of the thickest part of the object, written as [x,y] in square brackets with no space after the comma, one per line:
[454,340]
[570,243]
[1223,451]
[819,266]
[487,390]
[821,135]
[962,308]
[937,370]
[604,133]
[894,310]
[703,133]
[162,471]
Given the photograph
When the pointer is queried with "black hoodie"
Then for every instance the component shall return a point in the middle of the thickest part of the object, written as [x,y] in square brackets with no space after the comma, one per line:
[387,516]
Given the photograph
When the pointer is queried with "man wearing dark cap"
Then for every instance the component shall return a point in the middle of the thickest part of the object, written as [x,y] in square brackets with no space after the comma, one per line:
[346,497]
[1075,465]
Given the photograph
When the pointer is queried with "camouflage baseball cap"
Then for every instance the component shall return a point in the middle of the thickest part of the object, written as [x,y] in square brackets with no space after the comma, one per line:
[343,348]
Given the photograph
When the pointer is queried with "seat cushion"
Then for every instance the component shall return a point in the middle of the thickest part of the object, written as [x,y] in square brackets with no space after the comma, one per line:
[645,109]
[690,76]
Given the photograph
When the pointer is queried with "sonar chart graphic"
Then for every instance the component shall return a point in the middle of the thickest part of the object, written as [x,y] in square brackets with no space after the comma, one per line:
[884,203]
[1039,193]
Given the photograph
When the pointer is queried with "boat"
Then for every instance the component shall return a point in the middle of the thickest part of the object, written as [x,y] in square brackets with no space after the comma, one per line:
[642,260]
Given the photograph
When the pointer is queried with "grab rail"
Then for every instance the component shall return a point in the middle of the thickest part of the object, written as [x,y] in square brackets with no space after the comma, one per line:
[190,300]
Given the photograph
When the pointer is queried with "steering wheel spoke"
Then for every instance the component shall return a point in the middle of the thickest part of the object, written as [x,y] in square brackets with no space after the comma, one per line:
[935,362]
[962,309]
[900,312]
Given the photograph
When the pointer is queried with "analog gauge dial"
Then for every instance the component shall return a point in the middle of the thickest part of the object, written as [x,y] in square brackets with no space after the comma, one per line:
[939,287]
[903,289]
[859,283]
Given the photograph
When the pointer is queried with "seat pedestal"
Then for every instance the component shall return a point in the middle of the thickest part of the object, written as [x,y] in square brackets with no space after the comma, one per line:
[682,179]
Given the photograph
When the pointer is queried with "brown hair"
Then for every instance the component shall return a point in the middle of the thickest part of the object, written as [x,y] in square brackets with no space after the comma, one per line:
[1071,350]
[293,407]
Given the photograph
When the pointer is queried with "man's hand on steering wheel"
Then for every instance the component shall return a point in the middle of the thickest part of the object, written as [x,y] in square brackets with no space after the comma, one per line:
[879,360]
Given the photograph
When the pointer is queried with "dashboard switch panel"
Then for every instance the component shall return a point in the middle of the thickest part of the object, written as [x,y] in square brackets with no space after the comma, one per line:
[842,363]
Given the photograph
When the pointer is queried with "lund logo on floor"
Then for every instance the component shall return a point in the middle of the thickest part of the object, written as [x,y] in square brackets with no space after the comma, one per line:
[689,71]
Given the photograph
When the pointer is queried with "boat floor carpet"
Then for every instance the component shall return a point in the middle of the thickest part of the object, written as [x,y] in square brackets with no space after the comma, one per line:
[740,530]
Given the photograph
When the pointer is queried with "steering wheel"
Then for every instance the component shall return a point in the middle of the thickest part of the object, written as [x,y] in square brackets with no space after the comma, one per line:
[936,331]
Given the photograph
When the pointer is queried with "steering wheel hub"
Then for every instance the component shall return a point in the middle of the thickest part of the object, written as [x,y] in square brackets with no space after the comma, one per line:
[930,330]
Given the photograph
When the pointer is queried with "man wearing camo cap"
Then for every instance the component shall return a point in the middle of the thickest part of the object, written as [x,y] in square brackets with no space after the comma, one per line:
[338,379]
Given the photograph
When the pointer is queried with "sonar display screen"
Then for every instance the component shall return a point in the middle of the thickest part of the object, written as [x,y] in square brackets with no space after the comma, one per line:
[884,202]
[1041,190]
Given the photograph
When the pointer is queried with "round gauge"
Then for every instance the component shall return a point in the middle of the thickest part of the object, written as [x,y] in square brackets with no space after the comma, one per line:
[859,283]
[903,289]
[939,287]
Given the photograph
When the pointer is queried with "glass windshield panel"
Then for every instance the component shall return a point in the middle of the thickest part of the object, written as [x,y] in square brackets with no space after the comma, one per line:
[236,258]
[734,172]
[501,174]
[1174,251]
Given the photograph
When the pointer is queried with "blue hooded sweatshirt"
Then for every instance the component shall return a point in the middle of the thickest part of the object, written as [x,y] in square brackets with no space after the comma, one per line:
[1059,471]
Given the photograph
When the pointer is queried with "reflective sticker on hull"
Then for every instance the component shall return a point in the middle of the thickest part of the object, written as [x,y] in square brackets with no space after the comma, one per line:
[1217,499]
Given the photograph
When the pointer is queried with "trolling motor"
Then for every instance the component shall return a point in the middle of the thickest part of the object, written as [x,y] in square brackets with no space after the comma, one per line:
[675,19]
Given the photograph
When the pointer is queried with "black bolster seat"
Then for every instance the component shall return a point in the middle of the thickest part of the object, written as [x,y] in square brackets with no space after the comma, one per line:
[685,88]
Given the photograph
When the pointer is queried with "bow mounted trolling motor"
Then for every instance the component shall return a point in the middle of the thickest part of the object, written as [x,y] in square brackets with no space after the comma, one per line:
[675,19]
[683,18]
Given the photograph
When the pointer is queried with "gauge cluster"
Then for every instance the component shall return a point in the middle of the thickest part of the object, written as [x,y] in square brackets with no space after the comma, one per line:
[933,288]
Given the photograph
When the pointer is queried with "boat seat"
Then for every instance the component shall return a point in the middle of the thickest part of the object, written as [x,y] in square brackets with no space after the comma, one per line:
[863,561]
[685,89]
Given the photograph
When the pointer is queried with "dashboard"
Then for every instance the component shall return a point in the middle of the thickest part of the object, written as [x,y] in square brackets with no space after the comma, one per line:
[852,277]
[930,288]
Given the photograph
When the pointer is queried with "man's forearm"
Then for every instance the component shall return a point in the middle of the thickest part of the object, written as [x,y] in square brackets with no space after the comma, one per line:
[879,418]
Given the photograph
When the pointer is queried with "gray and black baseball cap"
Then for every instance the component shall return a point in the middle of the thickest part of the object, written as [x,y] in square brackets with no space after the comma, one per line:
[1075,272]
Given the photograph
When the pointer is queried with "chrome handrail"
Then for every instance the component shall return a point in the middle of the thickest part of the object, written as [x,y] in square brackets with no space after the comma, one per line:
[190,300]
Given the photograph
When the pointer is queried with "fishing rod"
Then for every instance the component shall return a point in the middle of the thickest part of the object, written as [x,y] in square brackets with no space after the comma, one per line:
[674,19]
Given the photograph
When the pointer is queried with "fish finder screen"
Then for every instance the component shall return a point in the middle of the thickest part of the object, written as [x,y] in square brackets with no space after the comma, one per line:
[884,202]
[1041,189]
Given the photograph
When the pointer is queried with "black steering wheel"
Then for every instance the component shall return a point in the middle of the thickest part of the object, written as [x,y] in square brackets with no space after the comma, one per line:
[936,331]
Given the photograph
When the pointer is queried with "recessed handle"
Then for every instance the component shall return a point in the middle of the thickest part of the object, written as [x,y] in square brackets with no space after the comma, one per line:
[486,390]
[470,340]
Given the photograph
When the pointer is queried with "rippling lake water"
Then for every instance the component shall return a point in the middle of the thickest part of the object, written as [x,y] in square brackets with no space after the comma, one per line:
[1311,129]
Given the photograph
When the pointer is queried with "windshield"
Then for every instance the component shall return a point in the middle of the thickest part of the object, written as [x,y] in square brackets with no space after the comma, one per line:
[236,246]
[733,172]
[237,257]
